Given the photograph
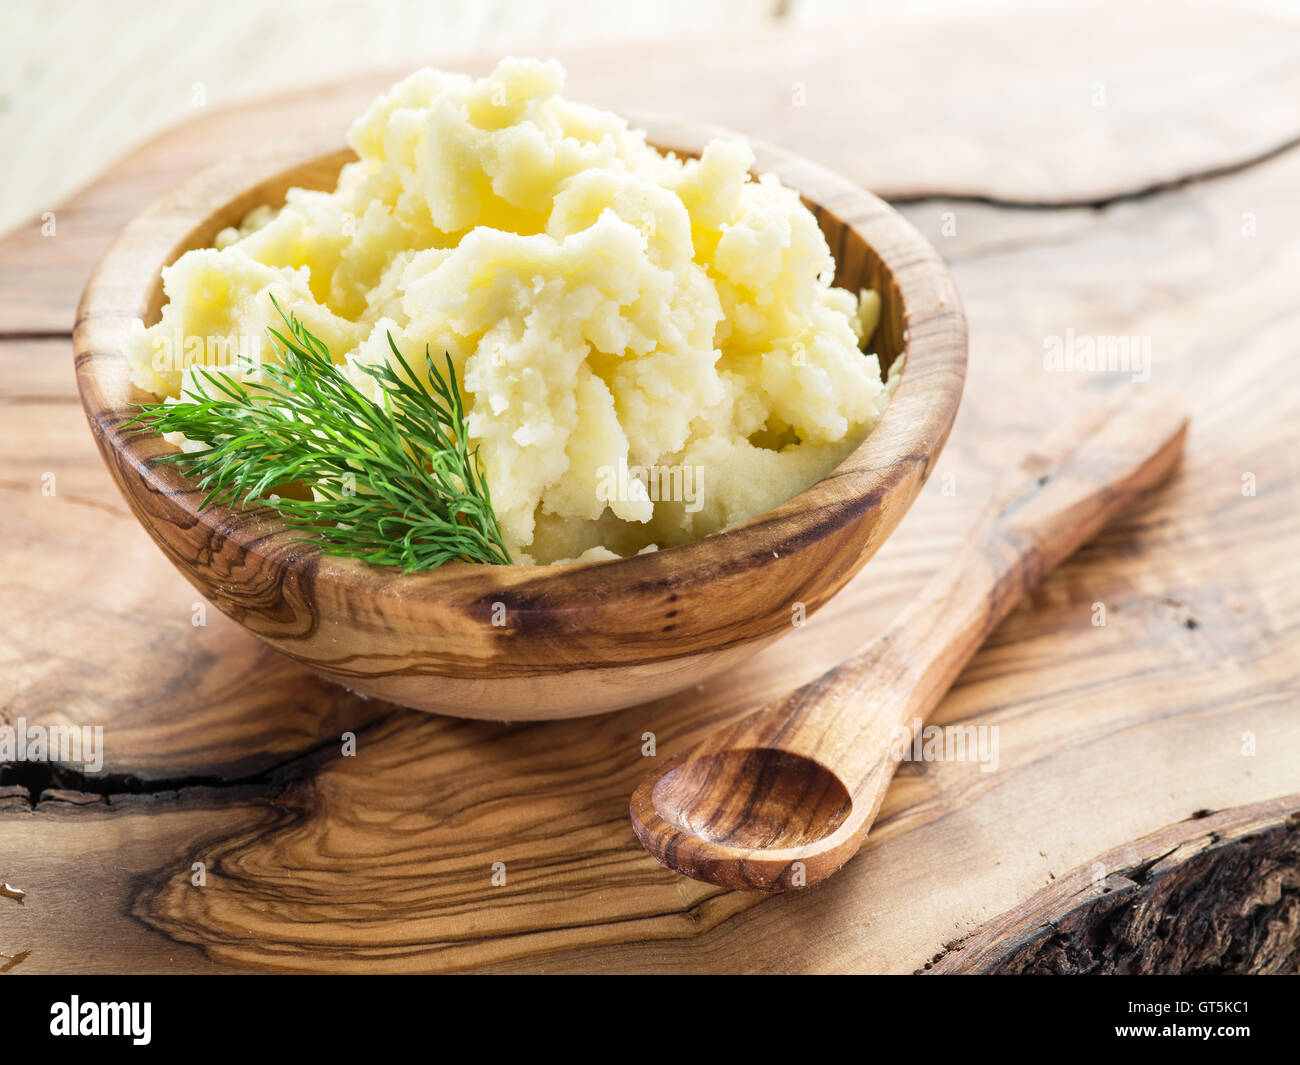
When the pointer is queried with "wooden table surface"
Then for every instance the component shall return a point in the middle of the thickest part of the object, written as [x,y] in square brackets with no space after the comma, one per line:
[1122,173]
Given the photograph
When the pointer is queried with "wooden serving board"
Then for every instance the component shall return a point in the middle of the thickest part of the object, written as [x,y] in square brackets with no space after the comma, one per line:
[1149,768]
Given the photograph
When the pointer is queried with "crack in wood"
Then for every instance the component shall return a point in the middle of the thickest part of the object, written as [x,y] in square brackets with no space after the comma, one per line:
[47,782]
[1145,192]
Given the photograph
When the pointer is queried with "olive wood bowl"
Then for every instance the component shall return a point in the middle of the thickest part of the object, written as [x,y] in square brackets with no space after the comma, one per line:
[576,639]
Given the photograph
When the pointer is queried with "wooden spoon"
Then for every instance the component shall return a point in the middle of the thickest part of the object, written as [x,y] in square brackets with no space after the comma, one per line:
[786,796]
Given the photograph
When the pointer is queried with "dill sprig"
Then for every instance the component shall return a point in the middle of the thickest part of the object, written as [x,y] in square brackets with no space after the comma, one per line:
[394,482]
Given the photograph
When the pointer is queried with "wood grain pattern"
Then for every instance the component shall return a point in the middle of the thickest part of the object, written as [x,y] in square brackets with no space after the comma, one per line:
[577,639]
[1184,701]
[784,797]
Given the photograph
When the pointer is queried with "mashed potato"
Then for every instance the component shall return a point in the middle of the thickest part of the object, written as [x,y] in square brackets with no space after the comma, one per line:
[651,348]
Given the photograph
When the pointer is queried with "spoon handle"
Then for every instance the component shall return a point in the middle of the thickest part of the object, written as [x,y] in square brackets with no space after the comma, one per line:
[803,778]
[1064,493]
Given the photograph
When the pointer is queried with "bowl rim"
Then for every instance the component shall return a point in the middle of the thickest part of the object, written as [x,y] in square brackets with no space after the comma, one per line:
[911,431]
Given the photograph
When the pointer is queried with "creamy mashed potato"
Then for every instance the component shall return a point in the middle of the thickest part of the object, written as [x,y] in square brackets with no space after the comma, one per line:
[651,348]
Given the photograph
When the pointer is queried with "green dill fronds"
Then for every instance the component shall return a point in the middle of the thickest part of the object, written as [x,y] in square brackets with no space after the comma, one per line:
[394,482]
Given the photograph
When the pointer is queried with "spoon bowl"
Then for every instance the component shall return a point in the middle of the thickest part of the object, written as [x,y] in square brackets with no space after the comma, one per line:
[785,800]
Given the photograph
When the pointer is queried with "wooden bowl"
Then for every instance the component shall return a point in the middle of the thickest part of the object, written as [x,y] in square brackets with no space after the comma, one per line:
[577,639]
